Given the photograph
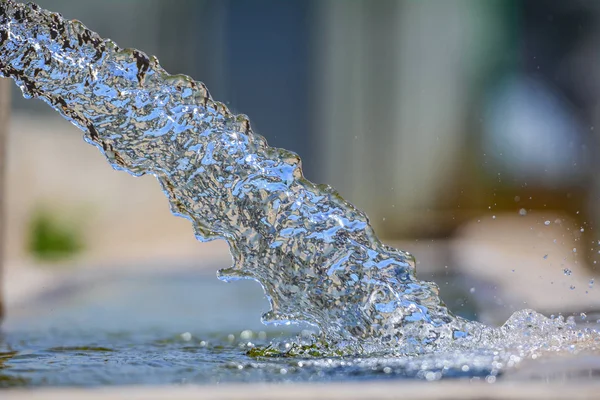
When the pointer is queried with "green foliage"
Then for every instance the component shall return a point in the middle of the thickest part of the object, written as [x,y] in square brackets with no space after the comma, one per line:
[52,239]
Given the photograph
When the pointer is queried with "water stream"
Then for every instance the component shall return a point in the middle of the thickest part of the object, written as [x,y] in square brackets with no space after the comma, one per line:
[315,255]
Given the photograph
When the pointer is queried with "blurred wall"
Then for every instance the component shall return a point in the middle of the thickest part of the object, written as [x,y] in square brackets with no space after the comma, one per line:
[398,81]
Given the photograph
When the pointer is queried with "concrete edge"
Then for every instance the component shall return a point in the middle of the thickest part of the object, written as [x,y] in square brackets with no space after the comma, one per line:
[460,389]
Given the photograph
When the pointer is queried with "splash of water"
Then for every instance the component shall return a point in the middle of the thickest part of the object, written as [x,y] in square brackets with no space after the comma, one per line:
[316,256]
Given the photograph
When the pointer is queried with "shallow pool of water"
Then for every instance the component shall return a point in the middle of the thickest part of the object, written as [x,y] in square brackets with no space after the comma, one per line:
[188,327]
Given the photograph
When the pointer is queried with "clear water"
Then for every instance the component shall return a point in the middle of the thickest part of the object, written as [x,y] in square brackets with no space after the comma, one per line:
[161,328]
[314,254]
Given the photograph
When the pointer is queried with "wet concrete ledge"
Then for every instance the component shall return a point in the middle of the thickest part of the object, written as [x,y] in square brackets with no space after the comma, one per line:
[346,391]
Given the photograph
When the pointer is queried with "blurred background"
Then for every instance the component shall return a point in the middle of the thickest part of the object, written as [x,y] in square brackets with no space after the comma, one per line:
[469,132]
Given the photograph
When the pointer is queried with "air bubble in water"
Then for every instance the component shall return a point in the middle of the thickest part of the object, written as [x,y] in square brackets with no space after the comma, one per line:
[547,223]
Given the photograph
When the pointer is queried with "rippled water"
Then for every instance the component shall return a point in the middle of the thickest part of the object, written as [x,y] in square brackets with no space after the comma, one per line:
[160,328]
[92,359]
[315,255]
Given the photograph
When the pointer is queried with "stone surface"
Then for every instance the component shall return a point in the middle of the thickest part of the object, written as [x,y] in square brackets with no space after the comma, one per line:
[463,390]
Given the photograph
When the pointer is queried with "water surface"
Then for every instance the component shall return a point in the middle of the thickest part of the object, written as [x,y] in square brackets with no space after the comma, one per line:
[161,328]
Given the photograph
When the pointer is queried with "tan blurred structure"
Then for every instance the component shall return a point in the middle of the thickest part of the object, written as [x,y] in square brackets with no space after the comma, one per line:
[398,77]
[4,115]
[120,219]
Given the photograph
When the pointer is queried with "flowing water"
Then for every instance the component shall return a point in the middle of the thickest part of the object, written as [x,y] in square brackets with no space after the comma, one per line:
[314,254]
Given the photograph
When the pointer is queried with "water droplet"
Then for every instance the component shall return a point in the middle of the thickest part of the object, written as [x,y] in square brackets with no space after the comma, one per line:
[574,249]
[387,370]
[430,376]
[472,290]
[186,336]
[522,212]
[591,284]
[545,256]
[583,316]
[567,271]
[247,334]
[493,217]
[572,287]
[547,223]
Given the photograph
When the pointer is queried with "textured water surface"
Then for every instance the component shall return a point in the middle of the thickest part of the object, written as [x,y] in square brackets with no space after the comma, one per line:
[315,255]
[162,328]
[90,359]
